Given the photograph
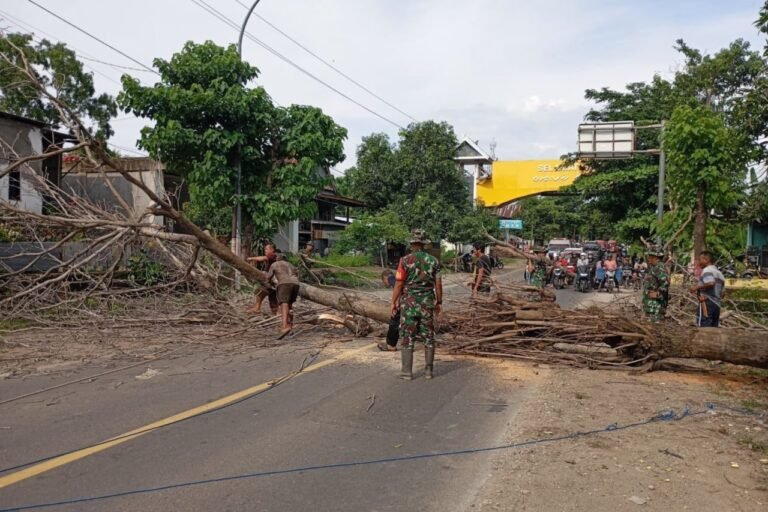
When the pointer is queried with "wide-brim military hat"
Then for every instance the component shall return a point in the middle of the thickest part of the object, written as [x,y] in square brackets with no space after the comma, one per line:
[419,237]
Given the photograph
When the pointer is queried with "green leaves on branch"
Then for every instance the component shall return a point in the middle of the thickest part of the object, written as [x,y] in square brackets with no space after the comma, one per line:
[702,150]
[371,231]
[207,119]
[416,178]
[56,68]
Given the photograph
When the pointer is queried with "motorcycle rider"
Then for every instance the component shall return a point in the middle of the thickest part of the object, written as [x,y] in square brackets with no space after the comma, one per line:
[610,265]
[582,264]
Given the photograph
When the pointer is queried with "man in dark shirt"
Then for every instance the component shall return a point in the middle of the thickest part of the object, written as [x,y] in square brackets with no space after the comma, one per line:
[482,282]
[270,256]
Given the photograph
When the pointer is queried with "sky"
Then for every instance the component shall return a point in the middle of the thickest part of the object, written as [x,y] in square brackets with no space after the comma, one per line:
[508,73]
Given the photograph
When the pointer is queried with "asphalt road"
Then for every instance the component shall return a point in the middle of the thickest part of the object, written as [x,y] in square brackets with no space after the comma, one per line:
[351,409]
[349,406]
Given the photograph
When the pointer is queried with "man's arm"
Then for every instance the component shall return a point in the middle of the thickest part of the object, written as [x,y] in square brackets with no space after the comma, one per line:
[478,280]
[257,259]
[396,293]
[398,289]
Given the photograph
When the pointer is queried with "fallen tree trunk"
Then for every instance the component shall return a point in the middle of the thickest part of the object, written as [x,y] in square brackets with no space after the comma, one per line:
[729,345]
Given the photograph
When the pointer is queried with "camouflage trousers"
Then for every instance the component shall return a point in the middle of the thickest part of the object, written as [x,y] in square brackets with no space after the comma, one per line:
[417,323]
[655,309]
[539,278]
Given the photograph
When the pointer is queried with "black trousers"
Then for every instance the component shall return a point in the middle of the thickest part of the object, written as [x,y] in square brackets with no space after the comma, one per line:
[712,318]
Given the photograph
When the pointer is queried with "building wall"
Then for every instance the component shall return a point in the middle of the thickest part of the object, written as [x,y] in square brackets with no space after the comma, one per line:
[94,187]
[25,140]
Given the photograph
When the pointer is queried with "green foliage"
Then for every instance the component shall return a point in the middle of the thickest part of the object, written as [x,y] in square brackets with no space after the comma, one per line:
[701,149]
[206,116]
[10,235]
[57,69]
[555,217]
[727,84]
[145,271]
[415,178]
[370,231]
[473,225]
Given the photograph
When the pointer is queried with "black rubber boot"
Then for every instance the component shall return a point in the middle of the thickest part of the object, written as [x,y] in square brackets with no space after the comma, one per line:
[429,359]
[407,358]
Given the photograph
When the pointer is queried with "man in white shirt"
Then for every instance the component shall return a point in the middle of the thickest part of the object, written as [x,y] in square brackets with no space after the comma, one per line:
[710,290]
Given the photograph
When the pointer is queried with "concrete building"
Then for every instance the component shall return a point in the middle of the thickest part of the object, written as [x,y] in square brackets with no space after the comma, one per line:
[21,137]
[97,184]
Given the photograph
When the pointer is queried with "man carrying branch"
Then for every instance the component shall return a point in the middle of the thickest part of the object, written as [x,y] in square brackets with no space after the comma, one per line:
[418,295]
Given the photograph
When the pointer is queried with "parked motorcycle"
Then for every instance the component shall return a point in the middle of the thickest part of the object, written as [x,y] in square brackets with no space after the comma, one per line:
[496,263]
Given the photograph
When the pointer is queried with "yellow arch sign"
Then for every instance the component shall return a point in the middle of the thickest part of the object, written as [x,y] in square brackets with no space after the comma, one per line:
[512,180]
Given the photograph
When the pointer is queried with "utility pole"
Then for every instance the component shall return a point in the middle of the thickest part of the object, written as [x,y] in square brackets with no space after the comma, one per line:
[662,179]
[238,162]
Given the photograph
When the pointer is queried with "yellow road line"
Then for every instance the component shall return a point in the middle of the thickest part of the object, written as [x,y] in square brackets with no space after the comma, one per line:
[54,463]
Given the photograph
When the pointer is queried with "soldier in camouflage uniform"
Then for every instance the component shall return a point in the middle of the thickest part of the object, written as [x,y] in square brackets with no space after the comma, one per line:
[418,295]
[539,275]
[656,289]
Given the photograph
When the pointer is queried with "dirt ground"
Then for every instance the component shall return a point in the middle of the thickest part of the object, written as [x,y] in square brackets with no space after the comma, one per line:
[717,461]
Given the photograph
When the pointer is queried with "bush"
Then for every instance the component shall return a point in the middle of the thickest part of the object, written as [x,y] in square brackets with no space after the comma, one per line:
[145,271]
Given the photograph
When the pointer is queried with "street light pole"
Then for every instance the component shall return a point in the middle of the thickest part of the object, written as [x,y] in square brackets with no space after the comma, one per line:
[662,179]
[238,163]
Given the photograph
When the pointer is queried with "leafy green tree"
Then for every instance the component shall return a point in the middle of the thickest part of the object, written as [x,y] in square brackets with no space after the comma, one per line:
[57,68]
[371,231]
[417,178]
[207,119]
[473,226]
[707,165]
[626,190]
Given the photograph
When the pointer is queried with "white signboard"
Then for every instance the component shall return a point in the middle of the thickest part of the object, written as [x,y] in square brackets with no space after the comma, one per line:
[607,140]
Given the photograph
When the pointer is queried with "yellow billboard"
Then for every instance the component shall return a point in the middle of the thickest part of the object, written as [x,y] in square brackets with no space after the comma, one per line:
[512,180]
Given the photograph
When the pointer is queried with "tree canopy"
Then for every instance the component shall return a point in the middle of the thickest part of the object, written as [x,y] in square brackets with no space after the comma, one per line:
[416,178]
[56,68]
[207,118]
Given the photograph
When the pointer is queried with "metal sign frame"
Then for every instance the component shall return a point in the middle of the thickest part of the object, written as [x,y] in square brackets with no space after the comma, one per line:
[607,140]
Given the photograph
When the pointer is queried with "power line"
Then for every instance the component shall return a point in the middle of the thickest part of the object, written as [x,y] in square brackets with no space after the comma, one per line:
[29,29]
[324,61]
[117,66]
[217,14]
[93,37]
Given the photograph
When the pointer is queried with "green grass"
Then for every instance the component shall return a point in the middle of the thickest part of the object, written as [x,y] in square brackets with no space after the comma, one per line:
[753,405]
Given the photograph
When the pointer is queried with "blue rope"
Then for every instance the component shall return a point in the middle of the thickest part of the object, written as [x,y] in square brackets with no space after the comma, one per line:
[664,416]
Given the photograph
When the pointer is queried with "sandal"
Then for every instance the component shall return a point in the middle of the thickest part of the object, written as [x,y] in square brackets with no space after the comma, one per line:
[386,348]
[284,333]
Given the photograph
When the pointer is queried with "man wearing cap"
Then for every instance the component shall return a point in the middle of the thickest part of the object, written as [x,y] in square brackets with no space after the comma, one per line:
[656,289]
[418,295]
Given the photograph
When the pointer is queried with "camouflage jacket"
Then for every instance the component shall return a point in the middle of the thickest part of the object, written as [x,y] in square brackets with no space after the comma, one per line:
[419,272]
[657,280]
